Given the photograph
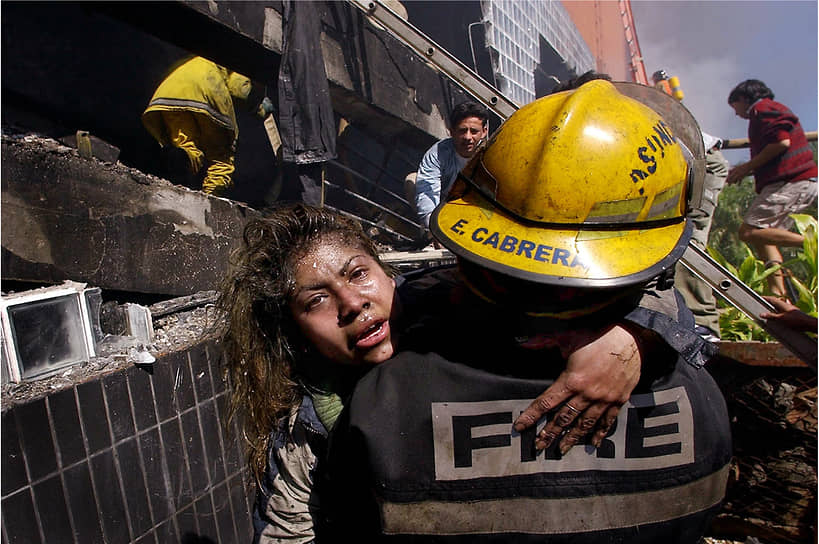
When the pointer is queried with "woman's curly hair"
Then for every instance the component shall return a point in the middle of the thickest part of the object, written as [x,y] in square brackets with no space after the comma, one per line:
[260,341]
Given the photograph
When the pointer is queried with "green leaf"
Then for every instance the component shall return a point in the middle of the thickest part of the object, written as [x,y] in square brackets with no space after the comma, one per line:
[807,299]
[747,270]
[807,227]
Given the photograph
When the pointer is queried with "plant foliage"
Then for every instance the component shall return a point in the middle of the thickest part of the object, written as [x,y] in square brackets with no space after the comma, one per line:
[802,272]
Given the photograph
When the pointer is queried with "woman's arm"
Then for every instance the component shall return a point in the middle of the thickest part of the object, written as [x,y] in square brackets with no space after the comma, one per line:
[284,511]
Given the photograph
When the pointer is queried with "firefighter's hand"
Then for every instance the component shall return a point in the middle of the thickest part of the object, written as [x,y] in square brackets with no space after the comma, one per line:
[602,369]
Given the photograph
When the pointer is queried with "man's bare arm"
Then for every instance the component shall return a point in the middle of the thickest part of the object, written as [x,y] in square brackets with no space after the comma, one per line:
[602,369]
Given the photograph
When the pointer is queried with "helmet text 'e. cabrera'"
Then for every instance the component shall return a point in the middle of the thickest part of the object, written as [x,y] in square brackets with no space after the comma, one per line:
[526,248]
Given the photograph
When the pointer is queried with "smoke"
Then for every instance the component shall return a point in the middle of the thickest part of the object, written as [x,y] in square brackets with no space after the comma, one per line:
[712,46]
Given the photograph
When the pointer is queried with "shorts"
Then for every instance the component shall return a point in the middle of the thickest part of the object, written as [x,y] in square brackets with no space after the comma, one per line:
[772,207]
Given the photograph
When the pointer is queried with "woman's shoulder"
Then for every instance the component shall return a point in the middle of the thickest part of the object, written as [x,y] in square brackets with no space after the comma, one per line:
[302,420]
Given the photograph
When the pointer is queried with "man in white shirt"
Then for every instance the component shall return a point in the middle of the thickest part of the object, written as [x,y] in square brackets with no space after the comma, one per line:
[468,125]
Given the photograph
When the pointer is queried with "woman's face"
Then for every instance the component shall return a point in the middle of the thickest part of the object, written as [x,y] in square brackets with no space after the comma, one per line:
[342,303]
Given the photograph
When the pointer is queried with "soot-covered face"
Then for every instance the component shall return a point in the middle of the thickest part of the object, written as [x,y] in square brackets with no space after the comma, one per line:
[342,302]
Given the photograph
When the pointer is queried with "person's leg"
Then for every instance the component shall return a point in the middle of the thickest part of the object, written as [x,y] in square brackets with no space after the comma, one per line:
[774,236]
[698,295]
[218,178]
[767,222]
[769,253]
[183,132]
[218,146]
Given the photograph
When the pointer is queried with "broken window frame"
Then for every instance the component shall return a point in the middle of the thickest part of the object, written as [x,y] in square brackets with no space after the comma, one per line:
[14,369]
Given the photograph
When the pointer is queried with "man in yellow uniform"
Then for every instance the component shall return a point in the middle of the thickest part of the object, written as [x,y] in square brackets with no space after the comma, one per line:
[192,109]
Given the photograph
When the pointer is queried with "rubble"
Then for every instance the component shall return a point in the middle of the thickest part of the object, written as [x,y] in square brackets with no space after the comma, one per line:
[772,492]
[12,135]
[109,225]
[172,332]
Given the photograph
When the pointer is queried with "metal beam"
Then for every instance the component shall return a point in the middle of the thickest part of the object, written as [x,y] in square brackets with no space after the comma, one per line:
[738,143]
[190,26]
[438,57]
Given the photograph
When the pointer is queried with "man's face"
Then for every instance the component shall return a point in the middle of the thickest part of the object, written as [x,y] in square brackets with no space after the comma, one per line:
[741,107]
[467,134]
[342,303]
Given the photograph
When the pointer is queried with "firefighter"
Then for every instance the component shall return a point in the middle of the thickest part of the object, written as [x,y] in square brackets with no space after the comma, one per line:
[192,110]
[569,220]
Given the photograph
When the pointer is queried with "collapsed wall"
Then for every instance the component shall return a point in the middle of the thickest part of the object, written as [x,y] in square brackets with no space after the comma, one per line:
[109,450]
[67,217]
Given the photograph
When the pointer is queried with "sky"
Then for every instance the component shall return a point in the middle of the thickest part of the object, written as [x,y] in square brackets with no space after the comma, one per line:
[713,45]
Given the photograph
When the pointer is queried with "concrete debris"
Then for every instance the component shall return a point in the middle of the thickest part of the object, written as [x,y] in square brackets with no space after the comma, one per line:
[135,232]
[51,145]
[172,332]
[89,146]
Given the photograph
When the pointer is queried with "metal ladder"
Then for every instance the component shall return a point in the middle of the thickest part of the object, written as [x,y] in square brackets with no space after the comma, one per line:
[700,263]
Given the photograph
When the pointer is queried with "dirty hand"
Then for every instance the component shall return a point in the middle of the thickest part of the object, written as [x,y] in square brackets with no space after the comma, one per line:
[602,369]
[738,173]
[789,315]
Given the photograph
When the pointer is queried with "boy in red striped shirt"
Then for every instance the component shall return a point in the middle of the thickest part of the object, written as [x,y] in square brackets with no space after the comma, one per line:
[784,170]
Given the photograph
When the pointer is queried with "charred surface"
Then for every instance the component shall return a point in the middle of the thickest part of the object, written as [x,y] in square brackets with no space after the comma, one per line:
[113,227]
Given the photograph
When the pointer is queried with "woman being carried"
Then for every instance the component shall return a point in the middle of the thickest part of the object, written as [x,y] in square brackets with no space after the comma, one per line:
[309,308]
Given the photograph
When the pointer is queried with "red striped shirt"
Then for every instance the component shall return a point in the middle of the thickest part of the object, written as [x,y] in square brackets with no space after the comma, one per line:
[772,122]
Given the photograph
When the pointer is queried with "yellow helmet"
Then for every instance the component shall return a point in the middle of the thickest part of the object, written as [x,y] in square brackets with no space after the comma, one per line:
[585,188]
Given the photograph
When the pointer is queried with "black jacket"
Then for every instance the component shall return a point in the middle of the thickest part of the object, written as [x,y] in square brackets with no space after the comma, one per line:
[425,450]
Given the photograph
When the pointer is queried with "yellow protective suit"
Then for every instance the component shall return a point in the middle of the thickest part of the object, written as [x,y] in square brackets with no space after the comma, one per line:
[192,109]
